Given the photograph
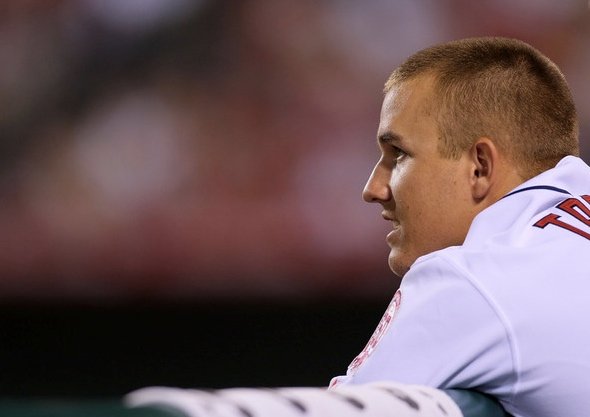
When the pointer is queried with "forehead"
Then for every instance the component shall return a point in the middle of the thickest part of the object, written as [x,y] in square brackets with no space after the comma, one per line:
[395,100]
[407,105]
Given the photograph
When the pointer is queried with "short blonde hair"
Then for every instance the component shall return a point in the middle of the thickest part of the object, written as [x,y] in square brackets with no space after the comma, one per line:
[503,89]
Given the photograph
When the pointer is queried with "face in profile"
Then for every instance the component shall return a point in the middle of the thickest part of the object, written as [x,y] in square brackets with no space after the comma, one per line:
[425,197]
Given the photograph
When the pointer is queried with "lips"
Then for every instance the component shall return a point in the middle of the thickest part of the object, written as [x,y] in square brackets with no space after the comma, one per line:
[393,236]
[388,216]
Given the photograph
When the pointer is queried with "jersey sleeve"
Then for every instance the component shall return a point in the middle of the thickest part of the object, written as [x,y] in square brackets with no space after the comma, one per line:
[442,331]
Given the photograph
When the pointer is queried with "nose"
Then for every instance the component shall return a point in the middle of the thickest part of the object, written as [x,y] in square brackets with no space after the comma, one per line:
[377,189]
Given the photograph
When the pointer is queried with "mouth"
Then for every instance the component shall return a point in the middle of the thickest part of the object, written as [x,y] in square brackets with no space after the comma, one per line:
[393,236]
[388,216]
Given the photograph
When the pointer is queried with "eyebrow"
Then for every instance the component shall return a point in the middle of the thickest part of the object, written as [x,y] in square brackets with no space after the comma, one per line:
[389,137]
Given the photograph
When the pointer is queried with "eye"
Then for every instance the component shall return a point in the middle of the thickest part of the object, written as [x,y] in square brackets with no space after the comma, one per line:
[398,153]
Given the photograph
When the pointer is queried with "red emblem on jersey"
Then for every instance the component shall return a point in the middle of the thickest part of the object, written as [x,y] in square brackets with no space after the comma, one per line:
[378,333]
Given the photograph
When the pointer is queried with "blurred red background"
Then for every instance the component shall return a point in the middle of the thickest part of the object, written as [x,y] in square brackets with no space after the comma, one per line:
[187,149]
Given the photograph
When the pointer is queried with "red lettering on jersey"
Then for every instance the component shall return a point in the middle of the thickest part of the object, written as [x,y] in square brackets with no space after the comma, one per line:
[576,209]
[554,220]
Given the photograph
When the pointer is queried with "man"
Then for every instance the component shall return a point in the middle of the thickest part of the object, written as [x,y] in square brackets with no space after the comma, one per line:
[490,215]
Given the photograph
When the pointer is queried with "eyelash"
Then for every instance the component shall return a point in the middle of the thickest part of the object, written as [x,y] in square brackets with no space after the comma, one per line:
[398,152]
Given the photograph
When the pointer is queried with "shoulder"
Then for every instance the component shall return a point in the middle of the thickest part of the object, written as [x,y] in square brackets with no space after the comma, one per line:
[443,312]
[446,282]
[467,286]
[447,271]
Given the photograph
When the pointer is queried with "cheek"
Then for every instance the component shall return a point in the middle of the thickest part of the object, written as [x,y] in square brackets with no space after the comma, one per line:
[401,180]
[422,202]
[445,213]
[410,189]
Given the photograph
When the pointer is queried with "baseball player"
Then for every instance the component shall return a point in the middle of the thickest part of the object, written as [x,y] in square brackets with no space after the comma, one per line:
[489,208]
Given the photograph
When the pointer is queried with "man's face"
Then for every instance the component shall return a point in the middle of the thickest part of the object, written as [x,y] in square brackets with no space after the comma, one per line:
[426,197]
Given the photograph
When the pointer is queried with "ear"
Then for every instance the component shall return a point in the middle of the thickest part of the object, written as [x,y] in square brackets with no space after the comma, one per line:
[484,166]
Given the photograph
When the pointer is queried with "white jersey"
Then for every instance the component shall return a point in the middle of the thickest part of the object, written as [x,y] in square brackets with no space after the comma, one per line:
[506,313]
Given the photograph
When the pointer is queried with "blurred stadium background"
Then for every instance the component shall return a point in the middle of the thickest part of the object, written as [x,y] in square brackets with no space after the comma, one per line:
[180,181]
